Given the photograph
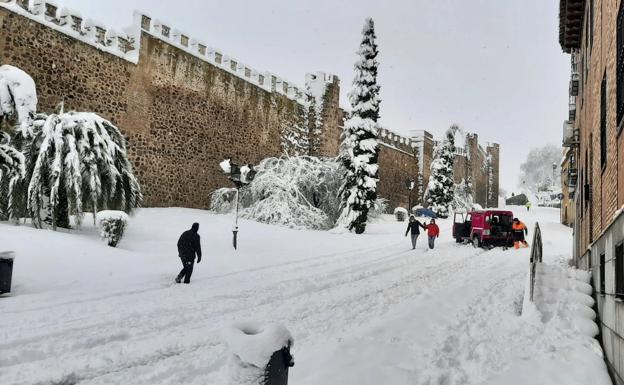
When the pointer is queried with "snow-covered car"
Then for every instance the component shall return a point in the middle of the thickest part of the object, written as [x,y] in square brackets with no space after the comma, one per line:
[484,228]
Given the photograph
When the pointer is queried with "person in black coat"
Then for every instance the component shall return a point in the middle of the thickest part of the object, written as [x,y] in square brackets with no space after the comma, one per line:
[188,246]
[414,227]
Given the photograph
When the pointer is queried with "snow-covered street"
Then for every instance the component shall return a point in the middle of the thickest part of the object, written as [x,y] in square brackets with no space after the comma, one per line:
[362,309]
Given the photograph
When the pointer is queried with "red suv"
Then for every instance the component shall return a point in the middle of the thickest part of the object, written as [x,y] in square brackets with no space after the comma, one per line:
[484,228]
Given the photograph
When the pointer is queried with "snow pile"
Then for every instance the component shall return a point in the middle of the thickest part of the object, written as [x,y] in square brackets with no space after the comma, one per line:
[296,192]
[112,224]
[18,95]
[563,297]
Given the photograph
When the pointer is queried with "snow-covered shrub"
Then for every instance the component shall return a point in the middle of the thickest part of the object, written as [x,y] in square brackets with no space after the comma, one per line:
[112,225]
[18,97]
[76,160]
[360,147]
[401,214]
[297,192]
[440,190]
[380,208]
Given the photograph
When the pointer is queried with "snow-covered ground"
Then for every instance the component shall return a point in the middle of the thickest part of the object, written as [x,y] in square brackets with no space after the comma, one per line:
[362,309]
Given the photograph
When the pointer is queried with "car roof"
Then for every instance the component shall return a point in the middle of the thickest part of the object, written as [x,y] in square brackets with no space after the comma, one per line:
[491,212]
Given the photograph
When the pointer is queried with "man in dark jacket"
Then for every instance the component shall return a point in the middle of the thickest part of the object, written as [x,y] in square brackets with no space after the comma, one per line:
[188,246]
[414,226]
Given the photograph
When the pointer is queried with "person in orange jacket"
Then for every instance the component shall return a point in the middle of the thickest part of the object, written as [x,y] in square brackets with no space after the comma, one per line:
[433,231]
[519,230]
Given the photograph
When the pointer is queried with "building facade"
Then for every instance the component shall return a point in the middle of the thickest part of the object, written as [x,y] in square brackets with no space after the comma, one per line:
[185,106]
[593,33]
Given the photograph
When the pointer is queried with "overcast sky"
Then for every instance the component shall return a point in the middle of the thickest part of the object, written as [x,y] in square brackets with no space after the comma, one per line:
[492,66]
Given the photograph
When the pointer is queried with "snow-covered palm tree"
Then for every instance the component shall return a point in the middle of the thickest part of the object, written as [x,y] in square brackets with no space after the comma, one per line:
[18,97]
[11,172]
[77,160]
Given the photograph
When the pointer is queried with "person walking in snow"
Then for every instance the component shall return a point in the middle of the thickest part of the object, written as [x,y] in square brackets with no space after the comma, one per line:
[433,231]
[188,247]
[414,227]
[528,206]
[519,230]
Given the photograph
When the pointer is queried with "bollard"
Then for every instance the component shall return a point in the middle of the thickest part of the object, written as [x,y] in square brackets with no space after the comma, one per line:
[6,270]
[259,354]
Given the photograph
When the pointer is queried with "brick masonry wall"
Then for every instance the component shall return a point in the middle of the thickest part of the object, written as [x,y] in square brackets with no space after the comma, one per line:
[395,167]
[598,230]
[171,106]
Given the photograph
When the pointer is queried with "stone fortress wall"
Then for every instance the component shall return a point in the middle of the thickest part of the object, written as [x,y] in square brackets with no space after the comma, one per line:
[183,105]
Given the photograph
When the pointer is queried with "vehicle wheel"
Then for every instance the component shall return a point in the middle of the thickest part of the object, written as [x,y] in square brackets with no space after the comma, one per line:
[458,240]
[476,242]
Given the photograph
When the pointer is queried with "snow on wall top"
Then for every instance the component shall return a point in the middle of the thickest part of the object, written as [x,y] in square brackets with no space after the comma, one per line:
[126,42]
[71,23]
[392,138]
[263,79]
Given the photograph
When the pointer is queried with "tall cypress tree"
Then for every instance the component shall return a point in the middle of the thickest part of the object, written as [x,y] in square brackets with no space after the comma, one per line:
[441,187]
[360,147]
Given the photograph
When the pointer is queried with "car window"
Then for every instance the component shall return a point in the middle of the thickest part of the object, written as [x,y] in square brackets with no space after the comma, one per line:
[468,218]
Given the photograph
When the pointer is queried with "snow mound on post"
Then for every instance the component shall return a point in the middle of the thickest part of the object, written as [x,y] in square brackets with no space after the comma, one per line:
[254,343]
[18,93]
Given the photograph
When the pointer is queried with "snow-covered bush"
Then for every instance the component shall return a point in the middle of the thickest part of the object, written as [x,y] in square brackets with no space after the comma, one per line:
[112,225]
[75,160]
[440,190]
[297,192]
[380,208]
[18,96]
[360,146]
[401,214]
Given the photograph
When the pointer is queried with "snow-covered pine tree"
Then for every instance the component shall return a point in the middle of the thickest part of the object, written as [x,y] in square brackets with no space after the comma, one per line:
[440,190]
[360,146]
[77,160]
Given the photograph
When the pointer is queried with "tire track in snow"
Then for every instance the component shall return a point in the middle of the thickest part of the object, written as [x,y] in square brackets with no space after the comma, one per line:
[370,287]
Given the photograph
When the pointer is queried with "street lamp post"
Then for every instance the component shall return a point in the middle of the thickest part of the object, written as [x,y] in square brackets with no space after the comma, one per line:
[241,176]
[409,183]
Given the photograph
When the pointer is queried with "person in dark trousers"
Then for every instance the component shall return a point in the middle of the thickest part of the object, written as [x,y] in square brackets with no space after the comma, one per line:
[433,232]
[519,230]
[414,227]
[188,246]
